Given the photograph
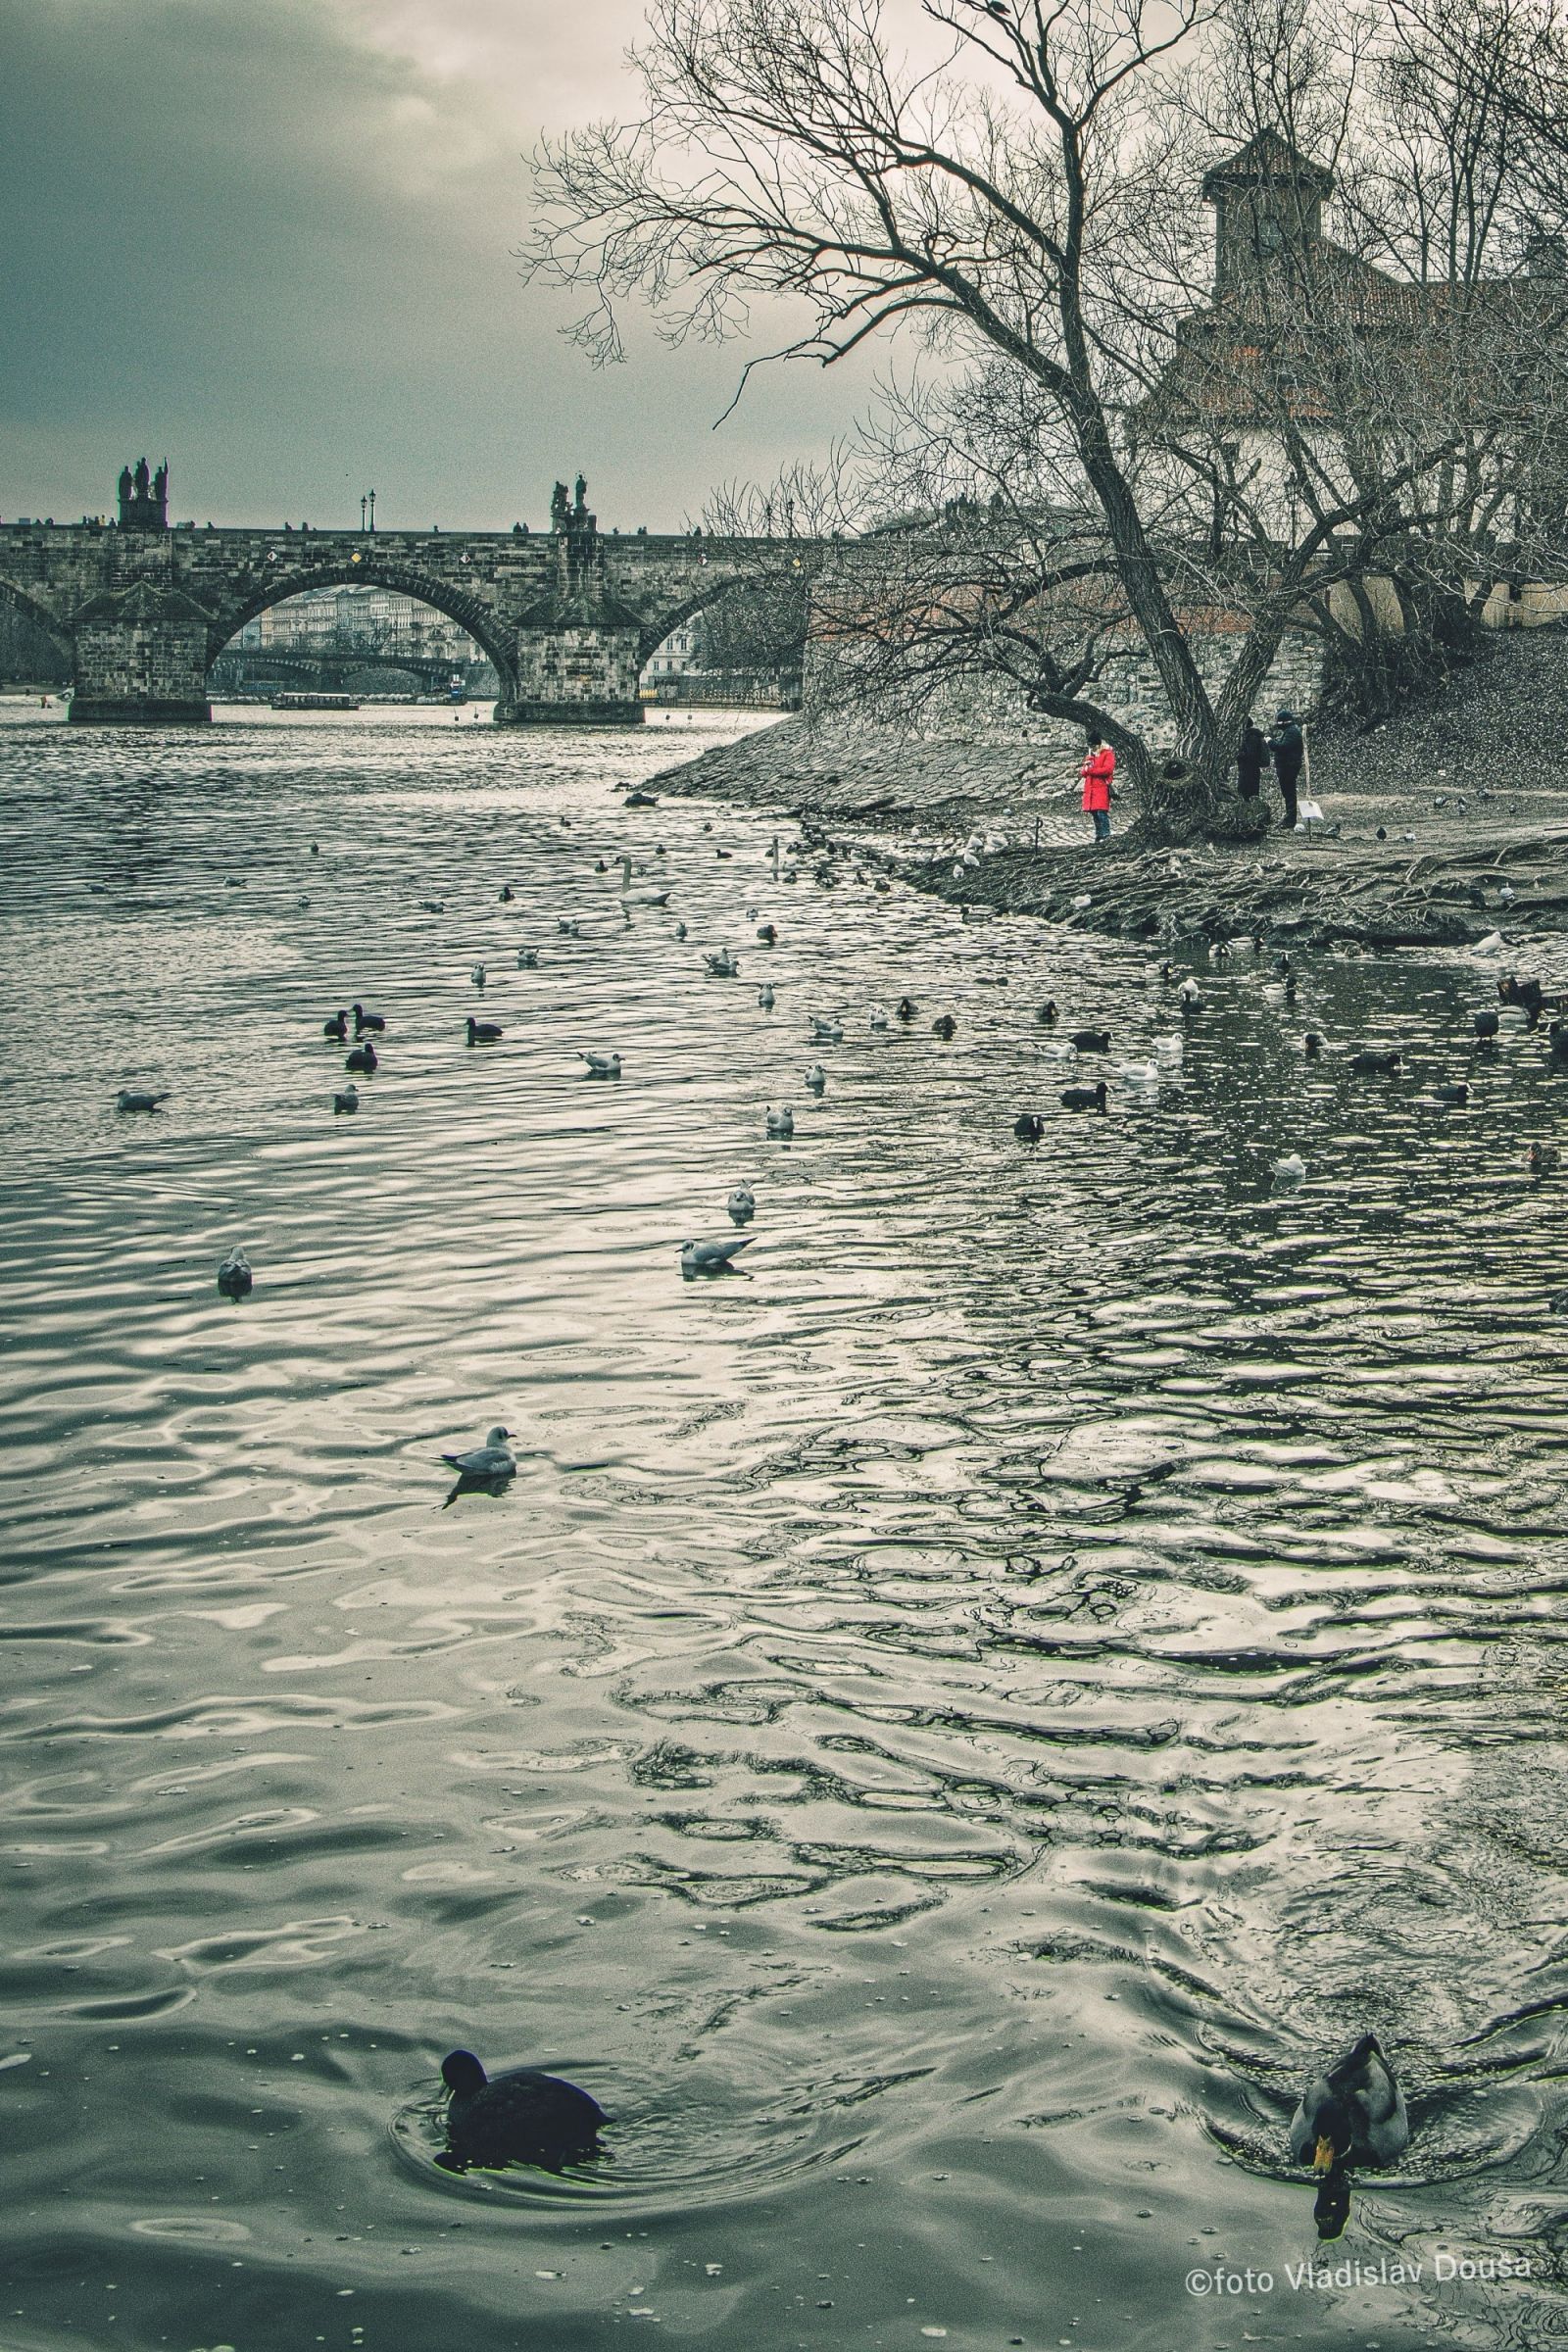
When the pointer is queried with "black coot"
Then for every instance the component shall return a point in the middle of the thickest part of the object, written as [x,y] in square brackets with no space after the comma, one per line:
[523,2117]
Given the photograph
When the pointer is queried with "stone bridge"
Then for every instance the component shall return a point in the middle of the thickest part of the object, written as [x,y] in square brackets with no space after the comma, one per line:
[569,616]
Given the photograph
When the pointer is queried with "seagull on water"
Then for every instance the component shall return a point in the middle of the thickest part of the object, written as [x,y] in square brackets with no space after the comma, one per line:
[488,1466]
[601,1065]
[764,996]
[234,1276]
[828,1033]
[346,1101]
[780,1122]
[477,975]
[817,1078]
[712,1258]
[742,1204]
[135,1097]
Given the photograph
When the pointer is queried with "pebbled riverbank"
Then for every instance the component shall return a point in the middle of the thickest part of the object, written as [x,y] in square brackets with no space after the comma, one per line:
[1469,790]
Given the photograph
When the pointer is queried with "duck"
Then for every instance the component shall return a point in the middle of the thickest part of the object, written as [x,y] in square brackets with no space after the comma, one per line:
[1084,1097]
[1029,1126]
[347,1102]
[713,1256]
[1092,1041]
[944,1026]
[1290,1169]
[780,1122]
[477,975]
[1543,1158]
[484,1033]
[136,1097]
[1376,1061]
[817,1078]
[764,996]
[527,959]
[906,1009]
[829,1033]
[489,1466]
[364,1020]
[361,1057]
[601,1065]
[742,1204]
[521,2117]
[1353,2113]
[234,1277]
[768,933]
[1046,1015]
[337,1027]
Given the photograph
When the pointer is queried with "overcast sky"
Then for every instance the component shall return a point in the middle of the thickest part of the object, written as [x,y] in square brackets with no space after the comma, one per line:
[273,242]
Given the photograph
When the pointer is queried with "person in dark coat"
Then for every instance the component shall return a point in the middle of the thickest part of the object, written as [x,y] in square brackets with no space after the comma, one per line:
[1288,749]
[1250,760]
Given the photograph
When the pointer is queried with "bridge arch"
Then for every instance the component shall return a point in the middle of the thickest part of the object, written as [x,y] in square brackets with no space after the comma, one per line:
[41,618]
[470,612]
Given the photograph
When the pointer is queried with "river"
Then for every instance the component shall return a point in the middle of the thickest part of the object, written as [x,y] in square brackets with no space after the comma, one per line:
[949,1724]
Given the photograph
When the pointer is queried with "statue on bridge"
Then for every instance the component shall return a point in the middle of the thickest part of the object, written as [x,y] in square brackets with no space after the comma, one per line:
[572,517]
[559,518]
[144,496]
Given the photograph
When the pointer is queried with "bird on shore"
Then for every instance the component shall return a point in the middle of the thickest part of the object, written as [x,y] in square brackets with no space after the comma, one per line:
[742,1204]
[364,1020]
[1376,1061]
[347,1102]
[483,1033]
[1085,1098]
[713,1257]
[361,1057]
[780,1122]
[136,1097]
[1029,1126]
[1092,1041]
[337,1027]
[944,1026]
[817,1078]
[485,1468]
[522,2117]
[601,1065]
[1353,2115]
[234,1277]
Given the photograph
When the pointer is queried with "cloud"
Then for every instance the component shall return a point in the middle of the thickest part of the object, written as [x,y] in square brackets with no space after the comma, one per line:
[276,244]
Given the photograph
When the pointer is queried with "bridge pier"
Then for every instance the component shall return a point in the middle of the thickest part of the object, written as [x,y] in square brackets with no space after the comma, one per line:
[576,673]
[141,660]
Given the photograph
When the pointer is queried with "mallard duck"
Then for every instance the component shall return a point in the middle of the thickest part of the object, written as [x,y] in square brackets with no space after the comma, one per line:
[523,2117]
[1353,2114]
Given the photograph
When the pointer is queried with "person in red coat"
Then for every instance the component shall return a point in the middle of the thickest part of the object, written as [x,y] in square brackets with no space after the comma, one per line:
[1099,768]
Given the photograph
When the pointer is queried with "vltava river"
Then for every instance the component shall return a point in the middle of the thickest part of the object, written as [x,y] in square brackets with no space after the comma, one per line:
[944,1732]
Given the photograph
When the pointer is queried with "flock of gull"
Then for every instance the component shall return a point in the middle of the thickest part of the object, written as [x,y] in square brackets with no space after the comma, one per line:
[1351,2116]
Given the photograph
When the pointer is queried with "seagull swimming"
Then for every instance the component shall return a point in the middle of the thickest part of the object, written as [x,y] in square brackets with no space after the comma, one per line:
[477,975]
[712,1258]
[135,1097]
[489,1465]
[742,1204]
[601,1065]
[829,1033]
[764,996]
[817,1078]
[234,1276]
[1290,1169]
[346,1101]
[780,1122]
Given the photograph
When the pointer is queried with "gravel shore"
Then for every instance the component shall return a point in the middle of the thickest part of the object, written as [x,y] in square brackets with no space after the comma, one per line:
[1469,787]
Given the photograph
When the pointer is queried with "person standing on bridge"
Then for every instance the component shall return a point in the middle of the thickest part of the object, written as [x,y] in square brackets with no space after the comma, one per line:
[1097,772]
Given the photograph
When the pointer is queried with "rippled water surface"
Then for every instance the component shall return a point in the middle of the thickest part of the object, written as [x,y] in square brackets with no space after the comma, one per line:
[948,1725]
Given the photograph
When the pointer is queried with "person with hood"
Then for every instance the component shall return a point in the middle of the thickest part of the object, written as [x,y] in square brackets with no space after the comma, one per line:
[1099,768]
[1288,749]
[1250,760]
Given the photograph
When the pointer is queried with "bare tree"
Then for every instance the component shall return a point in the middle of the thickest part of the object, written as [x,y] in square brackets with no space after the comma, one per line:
[1018,195]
